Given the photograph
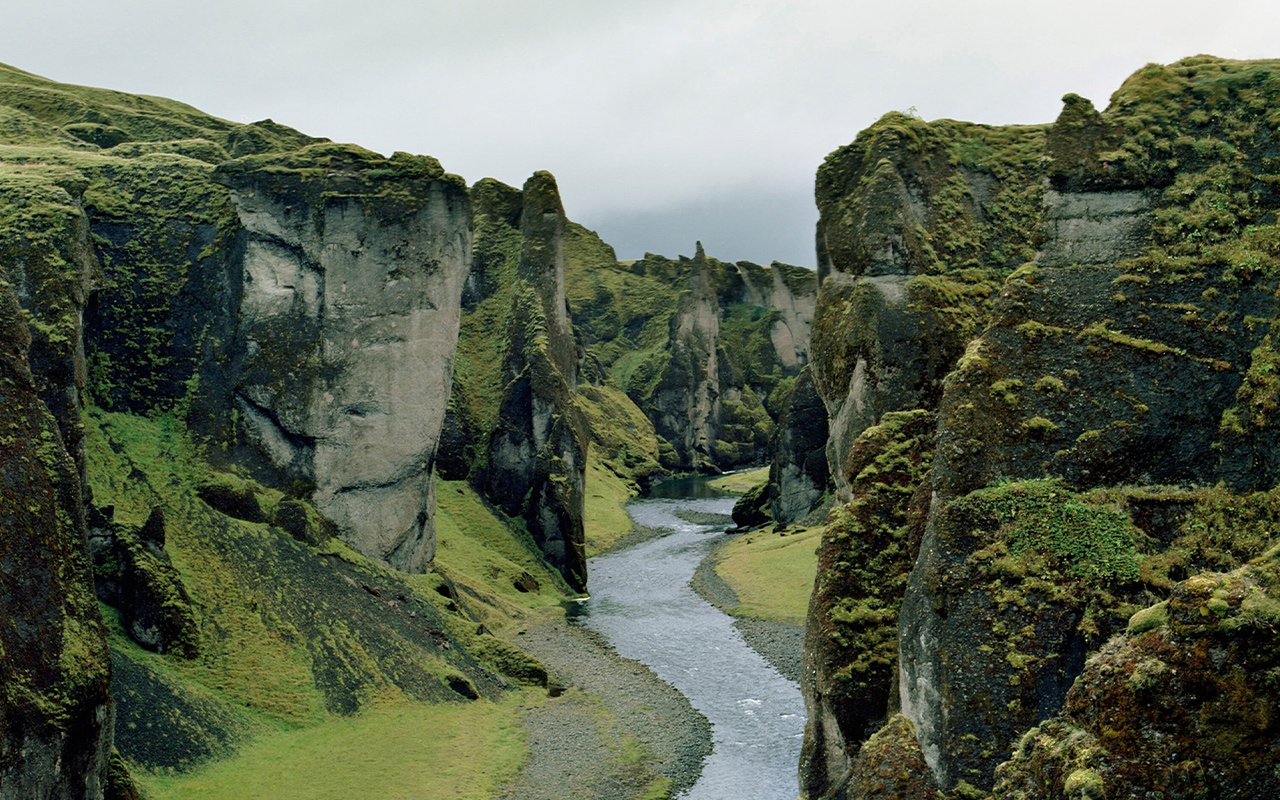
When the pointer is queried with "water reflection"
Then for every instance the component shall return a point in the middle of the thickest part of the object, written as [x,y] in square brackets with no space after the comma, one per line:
[641,600]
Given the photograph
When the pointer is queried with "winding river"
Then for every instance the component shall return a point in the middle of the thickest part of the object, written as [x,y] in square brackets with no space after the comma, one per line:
[641,600]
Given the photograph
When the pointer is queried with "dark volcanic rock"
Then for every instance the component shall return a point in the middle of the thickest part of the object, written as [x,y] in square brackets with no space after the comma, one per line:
[56,714]
[238,502]
[799,477]
[752,509]
[537,450]
[1184,705]
[850,663]
[134,573]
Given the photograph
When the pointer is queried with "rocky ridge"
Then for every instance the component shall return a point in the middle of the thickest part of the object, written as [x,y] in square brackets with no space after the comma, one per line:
[1084,312]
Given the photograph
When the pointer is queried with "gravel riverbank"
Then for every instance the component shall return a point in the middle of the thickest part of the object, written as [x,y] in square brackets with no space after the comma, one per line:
[616,732]
[782,645]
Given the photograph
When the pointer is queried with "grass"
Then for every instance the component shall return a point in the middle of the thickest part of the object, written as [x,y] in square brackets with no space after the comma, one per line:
[454,751]
[741,482]
[772,574]
[604,516]
[476,548]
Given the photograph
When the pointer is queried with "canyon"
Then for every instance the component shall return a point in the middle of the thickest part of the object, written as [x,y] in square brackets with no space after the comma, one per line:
[295,433]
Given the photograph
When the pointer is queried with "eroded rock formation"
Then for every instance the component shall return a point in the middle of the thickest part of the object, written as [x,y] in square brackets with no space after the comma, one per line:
[348,323]
[1103,431]
[538,448]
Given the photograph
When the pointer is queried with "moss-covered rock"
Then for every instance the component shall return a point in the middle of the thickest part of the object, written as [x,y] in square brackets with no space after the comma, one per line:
[799,476]
[867,551]
[1132,353]
[537,452]
[1183,705]
[752,509]
[133,572]
[56,714]
[888,767]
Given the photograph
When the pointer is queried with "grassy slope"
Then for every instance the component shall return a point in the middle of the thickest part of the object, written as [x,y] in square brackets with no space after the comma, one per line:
[771,573]
[400,752]
[257,708]
[741,482]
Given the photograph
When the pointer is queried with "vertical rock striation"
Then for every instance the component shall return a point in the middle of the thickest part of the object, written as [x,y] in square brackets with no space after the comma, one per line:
[353,269]
[537,449]
[56,714]
[1104,439]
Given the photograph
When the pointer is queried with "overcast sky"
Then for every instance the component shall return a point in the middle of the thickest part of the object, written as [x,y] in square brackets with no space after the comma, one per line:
[665,121]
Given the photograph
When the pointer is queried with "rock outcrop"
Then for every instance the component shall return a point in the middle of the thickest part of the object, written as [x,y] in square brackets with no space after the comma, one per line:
[735,339]
[799,476]
[1184,703]
[1130,355]
[133,572]
[536,458]
[850,671]
[353,268]
[56,713]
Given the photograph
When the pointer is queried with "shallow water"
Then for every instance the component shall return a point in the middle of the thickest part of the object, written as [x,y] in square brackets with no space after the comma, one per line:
[642,602]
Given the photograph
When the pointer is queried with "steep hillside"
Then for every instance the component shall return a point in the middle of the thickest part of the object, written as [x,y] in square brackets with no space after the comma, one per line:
[237,421]
[1080,317]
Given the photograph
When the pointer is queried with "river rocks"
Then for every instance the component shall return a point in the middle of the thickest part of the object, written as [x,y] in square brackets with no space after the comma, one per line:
[537,450]
[353,268]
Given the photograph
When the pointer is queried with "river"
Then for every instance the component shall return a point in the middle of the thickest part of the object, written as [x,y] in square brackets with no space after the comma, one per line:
[642,602]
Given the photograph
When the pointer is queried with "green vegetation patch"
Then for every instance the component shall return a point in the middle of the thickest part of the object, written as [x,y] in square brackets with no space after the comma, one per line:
[487,554]
[415,752]
[1091,542]
[771,573]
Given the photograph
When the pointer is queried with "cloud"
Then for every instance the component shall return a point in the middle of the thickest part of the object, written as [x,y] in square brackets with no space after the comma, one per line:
[644,109]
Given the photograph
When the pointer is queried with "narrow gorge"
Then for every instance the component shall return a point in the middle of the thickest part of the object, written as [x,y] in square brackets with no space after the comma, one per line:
[306,453]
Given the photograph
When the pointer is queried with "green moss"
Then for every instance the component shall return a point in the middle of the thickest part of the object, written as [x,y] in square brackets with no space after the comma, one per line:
[1090,541]
[866,554]
[1085,784]
[1048,383]
[1148,619]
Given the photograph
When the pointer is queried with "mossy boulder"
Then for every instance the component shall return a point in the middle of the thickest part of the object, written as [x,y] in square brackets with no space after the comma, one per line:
[752,509]
[134,573]
[888,767]
[1182,707]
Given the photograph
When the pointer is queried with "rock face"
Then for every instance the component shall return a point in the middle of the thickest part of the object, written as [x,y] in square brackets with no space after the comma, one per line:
[352,283]
[56,714]
[736,339]
[850,660]
[538,448]
[799,477]
[1184,701]
[1131,354]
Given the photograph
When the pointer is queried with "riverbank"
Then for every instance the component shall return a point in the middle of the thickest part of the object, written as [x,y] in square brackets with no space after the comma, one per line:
[617,731]
[769,579]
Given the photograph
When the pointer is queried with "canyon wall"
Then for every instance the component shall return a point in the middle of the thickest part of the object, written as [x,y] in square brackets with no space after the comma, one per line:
[1093,363]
